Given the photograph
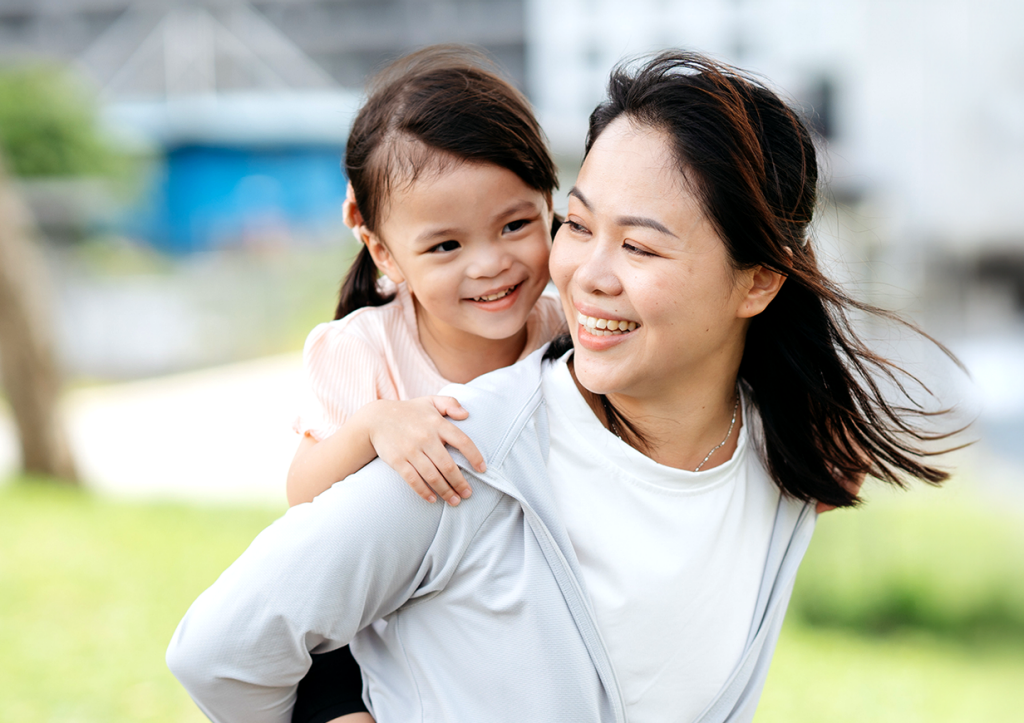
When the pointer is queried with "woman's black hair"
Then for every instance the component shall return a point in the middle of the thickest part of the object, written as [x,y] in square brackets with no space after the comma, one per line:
[752,163]
[434,107]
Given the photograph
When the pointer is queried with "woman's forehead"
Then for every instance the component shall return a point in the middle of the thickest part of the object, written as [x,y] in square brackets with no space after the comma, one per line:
[630,168]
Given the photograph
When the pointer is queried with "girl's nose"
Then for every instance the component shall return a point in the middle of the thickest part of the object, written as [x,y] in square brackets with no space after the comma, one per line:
[488,261]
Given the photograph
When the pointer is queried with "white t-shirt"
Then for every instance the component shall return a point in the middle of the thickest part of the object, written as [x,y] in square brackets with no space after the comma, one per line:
[672,559]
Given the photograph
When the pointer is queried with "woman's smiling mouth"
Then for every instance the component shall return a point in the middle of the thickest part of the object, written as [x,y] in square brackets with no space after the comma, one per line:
[605,327]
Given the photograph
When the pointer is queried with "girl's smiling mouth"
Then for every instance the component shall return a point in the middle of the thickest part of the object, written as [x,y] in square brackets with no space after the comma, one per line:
[498,295]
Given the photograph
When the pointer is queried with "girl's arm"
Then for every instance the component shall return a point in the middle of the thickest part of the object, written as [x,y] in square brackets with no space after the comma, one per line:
[410,436]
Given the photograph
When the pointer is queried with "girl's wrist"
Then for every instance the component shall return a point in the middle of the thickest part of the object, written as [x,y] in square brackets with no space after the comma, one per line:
[366,420]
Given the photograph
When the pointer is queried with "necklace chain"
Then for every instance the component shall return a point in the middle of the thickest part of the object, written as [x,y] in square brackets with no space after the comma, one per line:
[735,408]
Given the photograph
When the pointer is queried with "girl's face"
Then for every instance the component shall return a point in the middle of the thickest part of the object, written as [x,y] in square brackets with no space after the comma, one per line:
[652,300]
[472,243]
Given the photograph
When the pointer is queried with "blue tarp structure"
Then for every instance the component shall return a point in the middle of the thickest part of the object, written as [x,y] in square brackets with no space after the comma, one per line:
[209,196]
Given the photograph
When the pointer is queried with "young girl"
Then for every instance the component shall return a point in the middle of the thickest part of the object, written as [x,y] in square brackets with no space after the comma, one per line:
[450,193]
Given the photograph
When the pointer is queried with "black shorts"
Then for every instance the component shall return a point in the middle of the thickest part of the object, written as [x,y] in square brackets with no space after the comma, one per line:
[332,687]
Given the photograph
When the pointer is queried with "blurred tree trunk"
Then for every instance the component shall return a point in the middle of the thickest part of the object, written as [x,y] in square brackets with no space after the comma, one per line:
[28,369]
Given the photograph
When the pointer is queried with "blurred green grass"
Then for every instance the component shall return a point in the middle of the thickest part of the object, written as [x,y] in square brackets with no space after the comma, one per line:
[906,610]
[91,592]
[943,560]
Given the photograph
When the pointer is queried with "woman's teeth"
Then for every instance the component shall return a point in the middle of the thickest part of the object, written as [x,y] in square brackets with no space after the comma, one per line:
[499,295]
[605,327]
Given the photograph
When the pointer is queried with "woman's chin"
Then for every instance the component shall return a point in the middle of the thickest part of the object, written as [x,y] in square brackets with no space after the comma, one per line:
[596,378]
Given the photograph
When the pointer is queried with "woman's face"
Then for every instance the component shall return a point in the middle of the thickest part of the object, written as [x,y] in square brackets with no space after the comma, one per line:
[646,283]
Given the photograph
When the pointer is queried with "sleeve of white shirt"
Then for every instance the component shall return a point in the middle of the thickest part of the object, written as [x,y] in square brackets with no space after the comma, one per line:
[312,579]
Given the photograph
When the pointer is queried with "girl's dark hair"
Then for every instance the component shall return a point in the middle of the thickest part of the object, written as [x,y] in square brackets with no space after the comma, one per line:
[751,161]
[441,105]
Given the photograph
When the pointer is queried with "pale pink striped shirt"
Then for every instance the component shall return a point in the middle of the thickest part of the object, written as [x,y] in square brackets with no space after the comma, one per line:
[375,353]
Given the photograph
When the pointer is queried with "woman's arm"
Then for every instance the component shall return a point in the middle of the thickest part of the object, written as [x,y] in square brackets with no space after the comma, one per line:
[410,436]
[313,578]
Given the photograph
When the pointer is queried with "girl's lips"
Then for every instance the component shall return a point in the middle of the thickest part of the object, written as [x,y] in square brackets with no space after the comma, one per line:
[501,304]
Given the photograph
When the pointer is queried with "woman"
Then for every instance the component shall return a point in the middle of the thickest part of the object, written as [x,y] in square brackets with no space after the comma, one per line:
[630,551]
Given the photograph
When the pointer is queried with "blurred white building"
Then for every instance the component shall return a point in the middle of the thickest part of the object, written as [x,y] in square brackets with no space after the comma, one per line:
[921,103]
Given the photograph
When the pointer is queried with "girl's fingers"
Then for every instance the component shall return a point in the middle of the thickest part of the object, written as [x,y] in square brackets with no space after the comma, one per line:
[444,463]
[449,407]
[450,434]
[413,479]
[435,480]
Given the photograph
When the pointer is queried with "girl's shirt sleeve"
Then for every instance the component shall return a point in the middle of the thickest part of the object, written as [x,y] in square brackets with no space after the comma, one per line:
[546,321]
[344,372]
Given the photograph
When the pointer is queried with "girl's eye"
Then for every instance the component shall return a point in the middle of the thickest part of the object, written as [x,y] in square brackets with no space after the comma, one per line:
[574,227]
[514,226]
[444,246]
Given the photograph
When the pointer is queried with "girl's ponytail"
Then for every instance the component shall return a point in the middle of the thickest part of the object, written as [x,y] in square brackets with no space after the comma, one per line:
[359,288]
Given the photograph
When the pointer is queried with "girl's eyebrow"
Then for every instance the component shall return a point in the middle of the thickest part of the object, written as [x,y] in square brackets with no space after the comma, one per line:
[630,221]
[428,236]
[449,231]
[517,208]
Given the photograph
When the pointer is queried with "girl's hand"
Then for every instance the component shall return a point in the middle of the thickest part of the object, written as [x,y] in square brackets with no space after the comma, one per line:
[410,437]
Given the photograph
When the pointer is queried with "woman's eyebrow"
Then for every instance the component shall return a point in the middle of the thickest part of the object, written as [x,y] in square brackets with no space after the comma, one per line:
[631,221]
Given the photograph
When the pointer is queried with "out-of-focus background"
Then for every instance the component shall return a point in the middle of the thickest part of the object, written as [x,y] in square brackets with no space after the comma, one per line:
[170,230]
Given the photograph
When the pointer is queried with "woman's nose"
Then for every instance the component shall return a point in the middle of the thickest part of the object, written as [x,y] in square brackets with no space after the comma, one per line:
[596,272]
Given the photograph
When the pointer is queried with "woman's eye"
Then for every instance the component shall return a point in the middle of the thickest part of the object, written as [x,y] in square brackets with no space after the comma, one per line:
[635,250]
[444,246]
[514,226]
[574,227]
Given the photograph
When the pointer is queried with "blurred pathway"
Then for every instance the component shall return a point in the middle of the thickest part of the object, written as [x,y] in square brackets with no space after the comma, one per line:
[220,434]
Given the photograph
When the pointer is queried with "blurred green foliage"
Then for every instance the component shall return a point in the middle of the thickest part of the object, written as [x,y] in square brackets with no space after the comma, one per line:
[48,126]
[936,560]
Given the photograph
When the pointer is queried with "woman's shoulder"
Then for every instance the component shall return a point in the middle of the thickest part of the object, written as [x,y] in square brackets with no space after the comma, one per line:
[499,402]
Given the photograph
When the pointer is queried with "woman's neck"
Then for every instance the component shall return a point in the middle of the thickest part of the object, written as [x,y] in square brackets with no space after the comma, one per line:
[681,427]
[462,357]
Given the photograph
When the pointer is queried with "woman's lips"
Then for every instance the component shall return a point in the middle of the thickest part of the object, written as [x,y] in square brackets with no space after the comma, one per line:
[597,333]
[599,326]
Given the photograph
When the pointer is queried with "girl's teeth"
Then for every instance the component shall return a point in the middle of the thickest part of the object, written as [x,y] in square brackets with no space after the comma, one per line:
[495,297]
[605,327]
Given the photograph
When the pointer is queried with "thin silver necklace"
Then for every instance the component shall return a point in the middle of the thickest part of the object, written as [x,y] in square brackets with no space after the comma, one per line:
[735,408]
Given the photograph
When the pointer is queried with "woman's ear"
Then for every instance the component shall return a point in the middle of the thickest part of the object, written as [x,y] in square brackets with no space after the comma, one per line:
[381,256]
[762,286]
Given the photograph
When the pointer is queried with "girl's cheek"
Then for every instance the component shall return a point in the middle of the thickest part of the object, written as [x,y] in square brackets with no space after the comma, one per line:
[560,264]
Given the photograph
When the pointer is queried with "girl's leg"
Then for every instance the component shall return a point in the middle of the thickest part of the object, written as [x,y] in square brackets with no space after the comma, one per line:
[332,690]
